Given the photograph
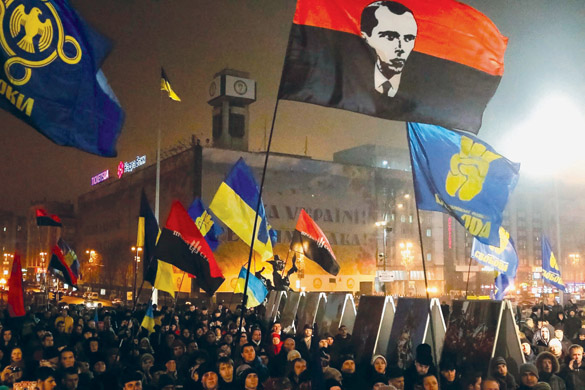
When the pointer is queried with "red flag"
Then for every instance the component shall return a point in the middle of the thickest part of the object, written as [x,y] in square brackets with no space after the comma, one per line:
[44,219]
[16,292]
[182,245]
[436,62]
[310,240]
[58,267]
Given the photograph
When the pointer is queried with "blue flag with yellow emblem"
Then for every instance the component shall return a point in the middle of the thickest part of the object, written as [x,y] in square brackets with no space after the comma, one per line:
[551,272]
[206,224]
[51,77]
[503,257]
[460,175]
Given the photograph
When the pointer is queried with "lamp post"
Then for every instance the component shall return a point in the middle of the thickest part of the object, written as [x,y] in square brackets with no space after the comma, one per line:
[407,257]
[136,251]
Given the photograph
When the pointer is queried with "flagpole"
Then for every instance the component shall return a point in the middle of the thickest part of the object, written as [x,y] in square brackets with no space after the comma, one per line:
[422,251]
[245,297]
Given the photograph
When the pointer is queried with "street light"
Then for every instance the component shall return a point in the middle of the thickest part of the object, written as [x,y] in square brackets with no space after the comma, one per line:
[136,251]
[407,257]
[383,224]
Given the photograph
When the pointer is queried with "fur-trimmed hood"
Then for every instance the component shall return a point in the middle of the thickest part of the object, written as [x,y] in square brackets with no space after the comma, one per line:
[547,355]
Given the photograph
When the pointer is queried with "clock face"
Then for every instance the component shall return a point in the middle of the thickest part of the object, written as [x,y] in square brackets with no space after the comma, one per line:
[212,89]
[240,87]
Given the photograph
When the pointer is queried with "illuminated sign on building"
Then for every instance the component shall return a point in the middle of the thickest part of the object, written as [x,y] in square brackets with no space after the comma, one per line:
[125,167]
[105,175]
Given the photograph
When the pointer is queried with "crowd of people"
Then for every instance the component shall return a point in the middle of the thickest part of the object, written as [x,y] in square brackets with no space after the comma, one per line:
[193,348]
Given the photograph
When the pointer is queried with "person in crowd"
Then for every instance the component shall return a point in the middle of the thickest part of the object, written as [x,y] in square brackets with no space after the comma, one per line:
[556,348]
[548,368]
[580,338]
[430,382]
[306,344]
[499,370]
[573,372]
[379,365]
[448,378]
[560,335]
[528,376]
[350,378]
[488,384]
[527,351]
[422,365]
[45,378]
[396,377]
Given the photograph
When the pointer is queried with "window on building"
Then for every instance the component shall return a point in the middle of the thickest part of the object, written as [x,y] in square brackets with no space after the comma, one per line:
[429,257]
[410,218]
[429,232]
[402,218]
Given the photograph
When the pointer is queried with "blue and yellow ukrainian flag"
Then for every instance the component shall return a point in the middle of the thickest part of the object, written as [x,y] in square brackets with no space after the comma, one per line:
[148,321]
[235,204]
[256,289]
[551,272]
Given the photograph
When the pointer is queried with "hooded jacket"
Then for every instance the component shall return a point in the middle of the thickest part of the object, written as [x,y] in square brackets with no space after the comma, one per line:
[555,381]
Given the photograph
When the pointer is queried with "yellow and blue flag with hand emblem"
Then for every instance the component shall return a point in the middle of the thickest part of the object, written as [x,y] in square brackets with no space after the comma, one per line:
[205,222]
[51,77]
[503,258]
[551,272]
[458,174]
[235,205]
[256,289]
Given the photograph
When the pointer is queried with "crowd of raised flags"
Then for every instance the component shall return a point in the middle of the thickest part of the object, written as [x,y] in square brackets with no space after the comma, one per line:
[453,171]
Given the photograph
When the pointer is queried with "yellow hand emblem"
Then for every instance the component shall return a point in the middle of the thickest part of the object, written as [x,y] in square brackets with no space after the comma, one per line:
[204,223]
[468,170]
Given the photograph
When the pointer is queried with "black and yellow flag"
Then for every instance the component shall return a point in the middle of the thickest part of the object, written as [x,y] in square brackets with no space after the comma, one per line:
[165,85]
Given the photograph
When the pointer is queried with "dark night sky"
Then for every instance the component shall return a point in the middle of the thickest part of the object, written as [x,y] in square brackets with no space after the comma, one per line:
[194,39]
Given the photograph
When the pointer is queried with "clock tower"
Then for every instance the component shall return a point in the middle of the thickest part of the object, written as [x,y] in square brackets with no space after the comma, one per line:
[230,94]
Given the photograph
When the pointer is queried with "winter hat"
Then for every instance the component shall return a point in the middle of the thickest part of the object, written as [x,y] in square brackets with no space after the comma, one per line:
[541,386]
[376,357]
[528,368]
[292,355]
[555,343]
[395,372]
[498,360]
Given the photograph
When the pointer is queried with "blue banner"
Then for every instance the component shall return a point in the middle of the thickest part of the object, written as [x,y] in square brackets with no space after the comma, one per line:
[458,174]
[501,283]
[51,76]
[550,268]
[503,258]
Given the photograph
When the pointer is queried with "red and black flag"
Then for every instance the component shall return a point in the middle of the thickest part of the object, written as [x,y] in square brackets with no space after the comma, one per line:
[182,245]
[436,62]
[310,240]
[45,219]
[16,292]
[58,267]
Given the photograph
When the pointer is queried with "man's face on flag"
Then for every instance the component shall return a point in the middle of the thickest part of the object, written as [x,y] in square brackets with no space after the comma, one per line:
[393,39]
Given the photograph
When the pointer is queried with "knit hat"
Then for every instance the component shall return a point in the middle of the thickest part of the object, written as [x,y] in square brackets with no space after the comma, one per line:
[423,354]
[555,343]
[447,365]
[145,357]
[528,368]
[541,386]
[378,357]
[581,331]
[292,355]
